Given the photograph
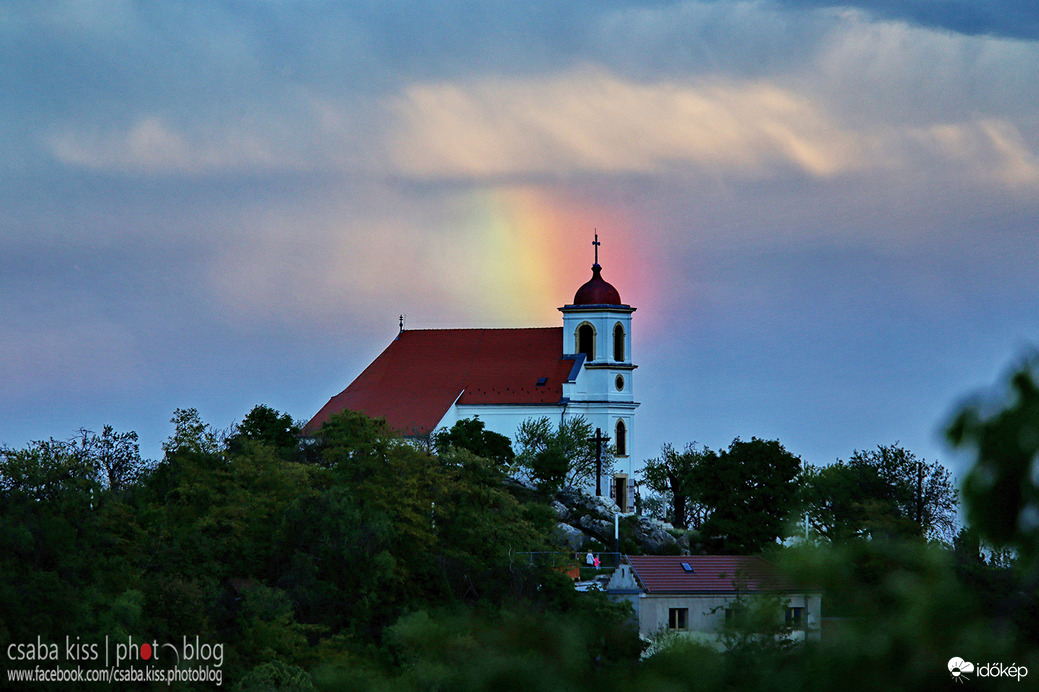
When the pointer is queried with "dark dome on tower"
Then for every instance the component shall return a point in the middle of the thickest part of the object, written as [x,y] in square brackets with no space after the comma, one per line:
[597,291]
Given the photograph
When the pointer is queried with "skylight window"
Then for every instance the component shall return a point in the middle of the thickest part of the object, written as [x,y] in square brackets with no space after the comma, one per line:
[542,381]
[687,567]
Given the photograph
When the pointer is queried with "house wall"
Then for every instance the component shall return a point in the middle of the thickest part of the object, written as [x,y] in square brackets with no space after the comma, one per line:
[707,612]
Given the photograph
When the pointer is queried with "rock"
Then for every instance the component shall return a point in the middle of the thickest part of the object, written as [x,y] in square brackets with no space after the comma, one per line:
[570,496]
[570,536]
[653,539]
[600,529]
[604,505]
[593,517]
[580,503]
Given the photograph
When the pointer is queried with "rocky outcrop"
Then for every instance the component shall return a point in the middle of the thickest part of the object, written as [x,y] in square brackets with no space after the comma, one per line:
[653,538]
[572,537]
[587,517]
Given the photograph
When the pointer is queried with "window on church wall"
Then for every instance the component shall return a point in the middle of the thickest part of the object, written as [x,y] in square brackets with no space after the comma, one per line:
[586,340]
[621,439]
[618,343]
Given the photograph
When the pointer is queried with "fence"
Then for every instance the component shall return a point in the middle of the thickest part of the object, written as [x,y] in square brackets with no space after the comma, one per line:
[562,559]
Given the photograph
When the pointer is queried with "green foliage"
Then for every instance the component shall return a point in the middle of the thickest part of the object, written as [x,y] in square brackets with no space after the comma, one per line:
[275,676]
[910,496]
[756,636]
[469,434]
[886,492]
[267,627]
[1002,496]
[117,456]
[1002,490]
[349,434]
[190,435]
[739,498]
[369,564]
[672,475]
[750,491]
[49,498]
[501,649]
[265,426]
[562,456]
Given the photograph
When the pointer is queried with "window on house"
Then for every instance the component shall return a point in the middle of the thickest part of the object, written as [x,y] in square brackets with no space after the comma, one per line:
[618,342]
[678,618]
[795,617]
[621,439]
[586,341]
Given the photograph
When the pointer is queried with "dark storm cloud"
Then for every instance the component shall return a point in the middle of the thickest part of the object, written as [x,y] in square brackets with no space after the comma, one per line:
[1005,18]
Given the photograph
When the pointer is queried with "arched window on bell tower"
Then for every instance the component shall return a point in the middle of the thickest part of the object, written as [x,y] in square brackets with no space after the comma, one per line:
[621,439]
[618,343]
[586,340]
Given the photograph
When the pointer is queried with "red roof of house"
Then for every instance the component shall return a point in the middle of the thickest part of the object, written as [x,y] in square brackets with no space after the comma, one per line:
[710,574]
[414,382]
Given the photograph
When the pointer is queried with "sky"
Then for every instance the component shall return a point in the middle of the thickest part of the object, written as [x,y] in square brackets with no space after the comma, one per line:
[825,212]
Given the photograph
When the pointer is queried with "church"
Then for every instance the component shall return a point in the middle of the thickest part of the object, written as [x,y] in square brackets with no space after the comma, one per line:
[428,379]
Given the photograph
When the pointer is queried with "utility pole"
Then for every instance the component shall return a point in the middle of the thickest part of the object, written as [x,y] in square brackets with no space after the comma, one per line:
[920,495]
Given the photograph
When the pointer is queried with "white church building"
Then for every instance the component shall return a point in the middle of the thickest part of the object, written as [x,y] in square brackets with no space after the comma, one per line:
[428,379]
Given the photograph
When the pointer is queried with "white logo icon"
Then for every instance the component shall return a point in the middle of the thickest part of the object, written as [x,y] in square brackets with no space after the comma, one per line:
[959,668]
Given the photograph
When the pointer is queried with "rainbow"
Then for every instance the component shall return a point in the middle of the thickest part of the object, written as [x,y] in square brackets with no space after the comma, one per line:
[535,247]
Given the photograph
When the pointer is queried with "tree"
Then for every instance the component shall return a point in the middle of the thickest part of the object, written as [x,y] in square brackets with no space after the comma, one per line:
[905,495]
[831,498]
[48,471]
[190,434]
[117,456]
[886,492]
[1002,490]
[49,539]
[348,435]
[470,434]
[671,474]
[560,457]
[266,426]
[750,491]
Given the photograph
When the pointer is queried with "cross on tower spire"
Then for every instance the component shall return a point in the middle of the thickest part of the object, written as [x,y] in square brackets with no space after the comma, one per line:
[596,243]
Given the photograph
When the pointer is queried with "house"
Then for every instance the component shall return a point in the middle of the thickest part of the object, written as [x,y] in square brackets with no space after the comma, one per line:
[431,378]
[698,594]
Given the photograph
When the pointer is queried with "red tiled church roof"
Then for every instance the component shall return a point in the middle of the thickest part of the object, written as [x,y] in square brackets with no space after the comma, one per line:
[414,382]
[710,574]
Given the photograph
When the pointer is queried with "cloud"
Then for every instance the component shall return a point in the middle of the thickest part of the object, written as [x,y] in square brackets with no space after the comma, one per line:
[591,121]
[993,147]
[78,353]
[151,145]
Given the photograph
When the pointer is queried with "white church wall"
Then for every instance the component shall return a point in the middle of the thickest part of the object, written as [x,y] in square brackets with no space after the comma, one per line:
[507,419]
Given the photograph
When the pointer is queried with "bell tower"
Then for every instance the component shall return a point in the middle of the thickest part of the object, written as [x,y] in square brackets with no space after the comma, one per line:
[597,331]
